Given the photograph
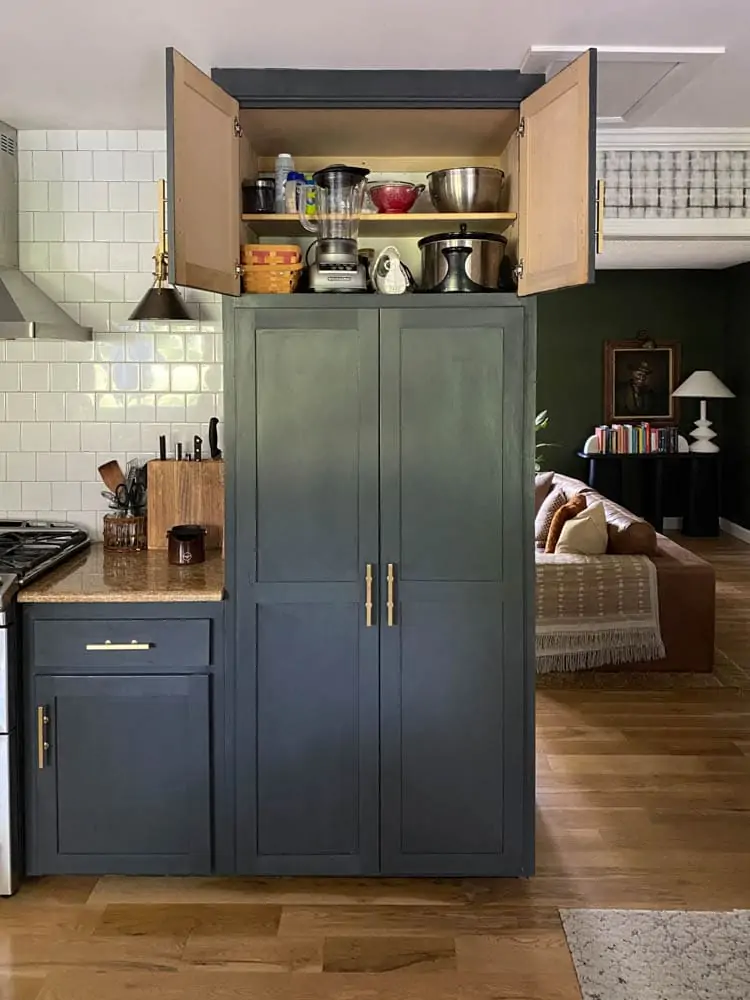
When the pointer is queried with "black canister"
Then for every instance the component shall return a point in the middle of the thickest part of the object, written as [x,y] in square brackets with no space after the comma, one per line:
[258,196]
[187,544]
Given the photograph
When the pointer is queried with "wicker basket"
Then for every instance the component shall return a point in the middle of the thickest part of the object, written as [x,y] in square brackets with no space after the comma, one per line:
[124,533]
[270,253]
[277,279]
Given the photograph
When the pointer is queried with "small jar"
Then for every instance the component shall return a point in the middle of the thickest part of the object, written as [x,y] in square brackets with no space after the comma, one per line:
[124,532]
[295,185]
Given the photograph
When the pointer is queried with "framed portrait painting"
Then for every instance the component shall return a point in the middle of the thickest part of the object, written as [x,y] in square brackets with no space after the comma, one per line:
[639,380]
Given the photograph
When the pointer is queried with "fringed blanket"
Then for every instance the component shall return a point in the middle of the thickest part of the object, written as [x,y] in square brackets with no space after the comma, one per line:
[595,610]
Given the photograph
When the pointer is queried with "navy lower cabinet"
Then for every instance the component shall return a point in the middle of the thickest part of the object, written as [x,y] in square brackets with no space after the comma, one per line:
[127,764]
[380,580]
[124,783]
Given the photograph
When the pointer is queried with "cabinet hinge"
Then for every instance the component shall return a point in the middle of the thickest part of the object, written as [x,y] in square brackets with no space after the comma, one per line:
[237,269]
[521,130]
[518,270]
[238,133]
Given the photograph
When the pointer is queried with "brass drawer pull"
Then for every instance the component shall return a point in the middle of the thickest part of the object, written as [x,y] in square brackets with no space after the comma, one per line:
[368,595]
[42,721]
[109,645]
[390,601]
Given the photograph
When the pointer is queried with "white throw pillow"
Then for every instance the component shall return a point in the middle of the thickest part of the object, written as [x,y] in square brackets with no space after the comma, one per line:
[586,533]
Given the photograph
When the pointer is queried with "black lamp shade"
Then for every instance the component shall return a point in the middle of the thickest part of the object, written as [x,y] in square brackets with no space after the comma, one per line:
[161,303]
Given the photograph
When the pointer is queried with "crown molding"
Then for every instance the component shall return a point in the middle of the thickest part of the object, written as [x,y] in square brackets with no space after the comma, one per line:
[673,138]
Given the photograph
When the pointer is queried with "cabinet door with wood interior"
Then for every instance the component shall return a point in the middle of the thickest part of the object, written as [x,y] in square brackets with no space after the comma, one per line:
[120,775]
[456,459]
[557,182]
[305,500]
[203,180]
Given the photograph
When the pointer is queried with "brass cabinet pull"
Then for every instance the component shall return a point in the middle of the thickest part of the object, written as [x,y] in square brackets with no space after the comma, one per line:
[390,603]
[600,188]
[42,721]
[109,645]
[368,595]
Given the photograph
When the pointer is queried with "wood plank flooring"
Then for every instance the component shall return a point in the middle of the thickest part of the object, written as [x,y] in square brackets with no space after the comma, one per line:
[643,800]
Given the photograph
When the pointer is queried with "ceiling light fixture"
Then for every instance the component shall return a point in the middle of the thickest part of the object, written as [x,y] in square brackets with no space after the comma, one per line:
[162,301]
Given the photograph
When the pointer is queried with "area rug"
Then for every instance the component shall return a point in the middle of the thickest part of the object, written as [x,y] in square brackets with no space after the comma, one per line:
[660,954]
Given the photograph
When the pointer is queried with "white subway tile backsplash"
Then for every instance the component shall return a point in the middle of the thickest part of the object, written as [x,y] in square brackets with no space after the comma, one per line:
[66,496]
[66,437]
[122,139]
[94,256]
[80,466]
[123,197]
[50,466]
[62,139]
[63,196]
[21,466]
[35,437]
[33,196]
[50,406]
[138,167]
[47,165]
[77,165]
[32,139]
[92,139]
[64,377]
[109,287]
[79,226]
[79,287]
[87,228]
[20,406]
[33,257]
[80,406]
[108,166]
[139,228]
[63,257]
[36,496]
[35,376]
[108,227]
[93,196]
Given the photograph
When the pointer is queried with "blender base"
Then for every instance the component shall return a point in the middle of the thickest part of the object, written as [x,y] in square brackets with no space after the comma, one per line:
[340,278]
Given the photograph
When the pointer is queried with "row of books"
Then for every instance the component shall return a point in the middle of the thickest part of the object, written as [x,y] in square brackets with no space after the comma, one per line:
[636,439]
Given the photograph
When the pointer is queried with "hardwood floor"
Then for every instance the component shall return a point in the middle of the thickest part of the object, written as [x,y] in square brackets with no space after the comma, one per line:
[643,801]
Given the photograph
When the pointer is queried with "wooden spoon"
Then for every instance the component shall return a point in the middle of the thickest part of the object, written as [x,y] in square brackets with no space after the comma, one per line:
[112,475]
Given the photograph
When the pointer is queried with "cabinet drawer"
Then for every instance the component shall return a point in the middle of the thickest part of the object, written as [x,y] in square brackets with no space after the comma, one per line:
[137,645]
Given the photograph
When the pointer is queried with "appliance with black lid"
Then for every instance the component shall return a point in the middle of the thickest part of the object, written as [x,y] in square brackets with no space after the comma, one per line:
[187,544]
[339,196]
[462,261]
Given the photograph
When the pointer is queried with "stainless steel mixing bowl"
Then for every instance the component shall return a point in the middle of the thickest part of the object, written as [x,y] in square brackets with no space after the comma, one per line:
[466,189]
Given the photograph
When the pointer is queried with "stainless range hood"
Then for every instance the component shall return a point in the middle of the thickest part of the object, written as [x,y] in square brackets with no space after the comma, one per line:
[25,311]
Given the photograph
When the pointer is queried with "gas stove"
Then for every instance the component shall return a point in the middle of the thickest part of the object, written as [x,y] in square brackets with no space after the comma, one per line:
[30,548]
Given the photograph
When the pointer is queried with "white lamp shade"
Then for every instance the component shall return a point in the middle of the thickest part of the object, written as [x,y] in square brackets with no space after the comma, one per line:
[703,385]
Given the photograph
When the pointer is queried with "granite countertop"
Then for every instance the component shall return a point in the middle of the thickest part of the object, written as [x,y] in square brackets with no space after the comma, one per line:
[100,576]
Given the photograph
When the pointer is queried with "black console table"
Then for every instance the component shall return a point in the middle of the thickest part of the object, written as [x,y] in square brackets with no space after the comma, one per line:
[638,482]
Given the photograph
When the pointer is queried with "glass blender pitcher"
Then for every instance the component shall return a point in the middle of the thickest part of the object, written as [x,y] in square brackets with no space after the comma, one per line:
[339,197]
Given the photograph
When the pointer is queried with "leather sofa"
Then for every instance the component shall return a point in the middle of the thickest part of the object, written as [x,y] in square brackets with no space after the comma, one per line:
[687,585]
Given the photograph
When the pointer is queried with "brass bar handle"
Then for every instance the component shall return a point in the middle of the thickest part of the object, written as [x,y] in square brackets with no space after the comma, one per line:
[390,602]
[368,595]
[42,721]
[600,189]
[108,645]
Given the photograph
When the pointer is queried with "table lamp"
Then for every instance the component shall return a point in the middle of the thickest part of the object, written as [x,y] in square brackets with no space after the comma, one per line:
[703,385]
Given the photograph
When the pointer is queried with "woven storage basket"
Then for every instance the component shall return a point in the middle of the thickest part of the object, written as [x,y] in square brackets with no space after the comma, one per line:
[277,279]
[270,253]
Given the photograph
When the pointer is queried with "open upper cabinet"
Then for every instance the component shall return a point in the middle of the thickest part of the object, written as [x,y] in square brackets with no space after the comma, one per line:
[546,145]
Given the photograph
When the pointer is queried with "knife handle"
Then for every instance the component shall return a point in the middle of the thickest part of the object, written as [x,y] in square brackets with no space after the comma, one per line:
[213,437]
[163,447]
[197,448]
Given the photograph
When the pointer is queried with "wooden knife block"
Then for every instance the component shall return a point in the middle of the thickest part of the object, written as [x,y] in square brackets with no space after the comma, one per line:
[185,493]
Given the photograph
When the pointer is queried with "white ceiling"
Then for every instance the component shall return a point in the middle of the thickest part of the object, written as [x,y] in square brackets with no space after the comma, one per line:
[94,64]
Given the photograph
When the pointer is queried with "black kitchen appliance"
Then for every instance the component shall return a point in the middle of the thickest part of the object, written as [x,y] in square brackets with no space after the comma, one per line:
[462,262]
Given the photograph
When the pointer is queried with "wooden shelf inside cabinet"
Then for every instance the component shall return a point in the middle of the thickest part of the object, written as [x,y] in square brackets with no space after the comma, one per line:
[410,224]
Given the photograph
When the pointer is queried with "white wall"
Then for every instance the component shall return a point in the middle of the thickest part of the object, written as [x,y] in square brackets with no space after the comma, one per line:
[88,232]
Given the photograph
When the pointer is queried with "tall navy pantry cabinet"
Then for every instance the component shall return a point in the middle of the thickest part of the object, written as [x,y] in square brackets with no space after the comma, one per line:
[380,582]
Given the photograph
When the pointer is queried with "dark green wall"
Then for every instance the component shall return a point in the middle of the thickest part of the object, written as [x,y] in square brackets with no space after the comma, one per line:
[736,437]
[689,306]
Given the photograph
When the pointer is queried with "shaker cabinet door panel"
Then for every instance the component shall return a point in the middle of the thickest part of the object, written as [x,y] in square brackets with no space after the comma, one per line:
[306,474]
[455,452]
[203,177]
[124,783]
[557,180]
